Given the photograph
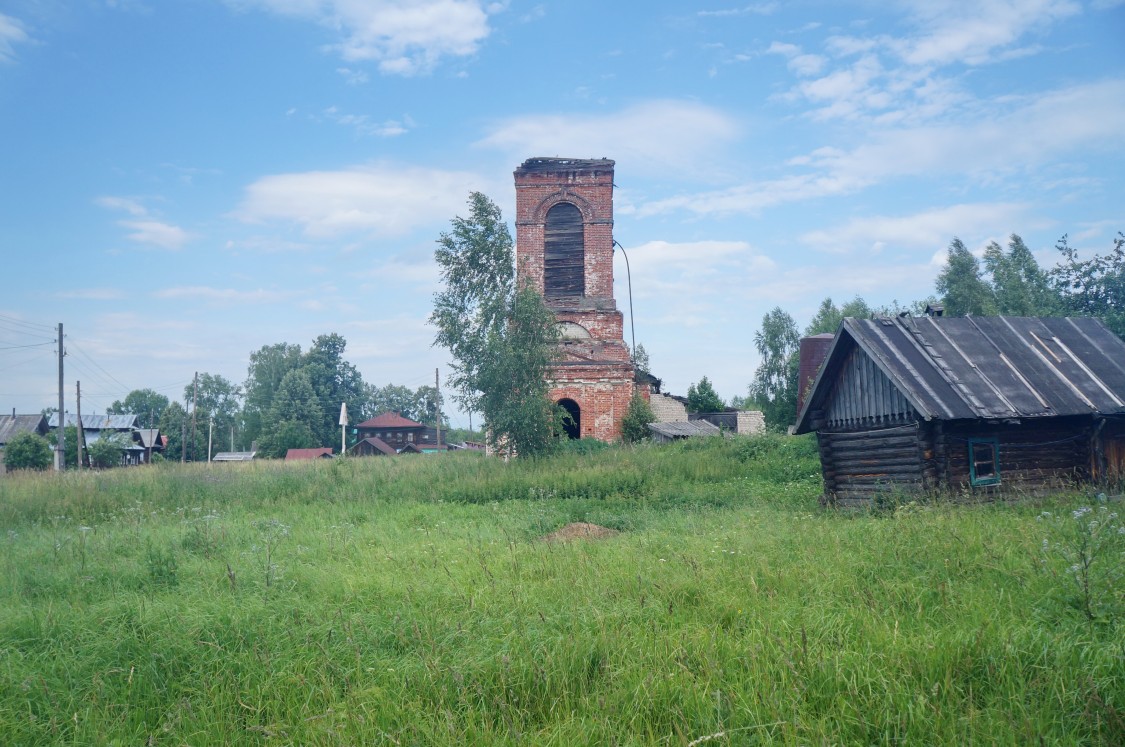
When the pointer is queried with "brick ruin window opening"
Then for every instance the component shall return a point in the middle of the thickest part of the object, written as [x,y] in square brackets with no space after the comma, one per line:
[564,272]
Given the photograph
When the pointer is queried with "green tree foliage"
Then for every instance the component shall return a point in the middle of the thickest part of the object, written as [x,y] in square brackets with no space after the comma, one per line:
[146,404]
[216,408]
[828,315]
[640,359]
[1095,286]
[477,266]
[268,367]
[175,426]
[27,451]
[106,451]
[502,339]
[1019,286]
[415,404]
[703,398]
[70,445]
[512,375]
[962,285]
[634,426]
[334,381]
[774,387]
[291,418]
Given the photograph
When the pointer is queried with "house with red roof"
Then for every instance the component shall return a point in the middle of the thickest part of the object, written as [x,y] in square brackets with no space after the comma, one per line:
[294,455]
[398,432]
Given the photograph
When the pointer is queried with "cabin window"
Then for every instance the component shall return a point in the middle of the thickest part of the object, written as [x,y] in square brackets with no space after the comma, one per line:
[984,461]
[410,437]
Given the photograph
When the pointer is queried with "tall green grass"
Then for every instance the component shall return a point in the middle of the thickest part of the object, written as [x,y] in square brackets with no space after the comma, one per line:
[411,601]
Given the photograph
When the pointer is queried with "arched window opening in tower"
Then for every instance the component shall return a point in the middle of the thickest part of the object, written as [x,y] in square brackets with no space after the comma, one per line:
[572,425]
[564,271]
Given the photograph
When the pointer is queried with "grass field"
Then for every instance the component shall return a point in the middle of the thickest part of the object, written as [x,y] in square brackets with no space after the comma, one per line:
[411,601]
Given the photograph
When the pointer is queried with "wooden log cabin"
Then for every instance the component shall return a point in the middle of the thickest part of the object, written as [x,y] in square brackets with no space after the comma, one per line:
[974,406]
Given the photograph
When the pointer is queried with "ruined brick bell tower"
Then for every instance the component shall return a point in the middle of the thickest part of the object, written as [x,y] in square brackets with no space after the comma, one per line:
[564,248]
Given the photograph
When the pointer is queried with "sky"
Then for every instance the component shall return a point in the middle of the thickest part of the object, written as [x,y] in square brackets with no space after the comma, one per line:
[185,181]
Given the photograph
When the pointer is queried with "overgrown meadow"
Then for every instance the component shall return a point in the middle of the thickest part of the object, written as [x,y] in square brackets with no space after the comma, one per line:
[411,601]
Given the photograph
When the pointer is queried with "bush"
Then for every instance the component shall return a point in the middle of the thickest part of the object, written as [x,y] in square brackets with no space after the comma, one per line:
[106,451]
[27,451]
[634,426]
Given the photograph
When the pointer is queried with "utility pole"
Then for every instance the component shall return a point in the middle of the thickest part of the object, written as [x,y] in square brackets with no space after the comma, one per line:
[210,432]
[437,406]
[81,434]
[183,441]
[194,399]
[232,438]
[60,440]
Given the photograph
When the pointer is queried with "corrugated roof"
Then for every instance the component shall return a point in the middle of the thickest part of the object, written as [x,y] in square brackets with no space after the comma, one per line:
[389,420]
[11,426]
[952,368]
[149,437]
[685,429]
[234,456]
[125,422]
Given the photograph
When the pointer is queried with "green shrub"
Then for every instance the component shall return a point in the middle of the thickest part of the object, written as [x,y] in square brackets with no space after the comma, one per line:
[27,451]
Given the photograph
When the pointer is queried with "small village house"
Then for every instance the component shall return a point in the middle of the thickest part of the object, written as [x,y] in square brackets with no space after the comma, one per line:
[977,406]
[13,425]
[398,432]
[141,443]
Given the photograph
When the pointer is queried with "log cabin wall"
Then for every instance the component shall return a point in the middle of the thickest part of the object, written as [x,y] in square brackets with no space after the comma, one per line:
[859,465]
[1033,457]
[1111,453]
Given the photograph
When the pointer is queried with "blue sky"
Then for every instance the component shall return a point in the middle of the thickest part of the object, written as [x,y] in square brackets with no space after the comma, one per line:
[185,181]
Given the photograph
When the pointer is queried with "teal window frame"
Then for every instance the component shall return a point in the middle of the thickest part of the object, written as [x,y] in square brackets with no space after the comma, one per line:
[975,479]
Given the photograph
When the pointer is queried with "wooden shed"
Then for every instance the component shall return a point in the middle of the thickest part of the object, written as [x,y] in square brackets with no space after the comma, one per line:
[974,405]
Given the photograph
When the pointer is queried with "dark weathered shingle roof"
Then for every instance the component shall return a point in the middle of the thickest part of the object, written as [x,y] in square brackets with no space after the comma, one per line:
[378,444]
[952,368]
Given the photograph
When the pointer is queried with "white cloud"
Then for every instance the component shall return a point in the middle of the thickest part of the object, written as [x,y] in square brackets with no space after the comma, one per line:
[128,204]
[222,295]
[156,233]
[403,38]
[999,143]
[758,9]
[382,200]
[93,294]
[900,78]
[364,126]
[652,137]
[930,229]
[659,266]
[11,33]
[145,229]
[973,31]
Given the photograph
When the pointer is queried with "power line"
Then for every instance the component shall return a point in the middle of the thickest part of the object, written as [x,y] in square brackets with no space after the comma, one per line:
[22,322]
[33,345]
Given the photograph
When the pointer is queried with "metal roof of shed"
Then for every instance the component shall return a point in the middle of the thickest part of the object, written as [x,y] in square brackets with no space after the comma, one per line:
[13,425]
[952,368]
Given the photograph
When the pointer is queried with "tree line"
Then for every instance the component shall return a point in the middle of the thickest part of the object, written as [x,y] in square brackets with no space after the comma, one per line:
[1007,281]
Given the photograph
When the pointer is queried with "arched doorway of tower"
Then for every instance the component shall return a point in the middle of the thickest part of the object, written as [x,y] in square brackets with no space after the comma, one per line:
[572,426]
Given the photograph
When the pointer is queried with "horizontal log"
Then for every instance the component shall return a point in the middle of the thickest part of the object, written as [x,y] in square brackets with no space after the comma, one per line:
[877,462]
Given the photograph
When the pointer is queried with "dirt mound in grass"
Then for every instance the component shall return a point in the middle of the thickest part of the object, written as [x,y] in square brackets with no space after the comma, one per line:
[580,530]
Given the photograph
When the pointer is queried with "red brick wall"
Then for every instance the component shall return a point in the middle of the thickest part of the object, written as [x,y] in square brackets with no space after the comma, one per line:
[596,373]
